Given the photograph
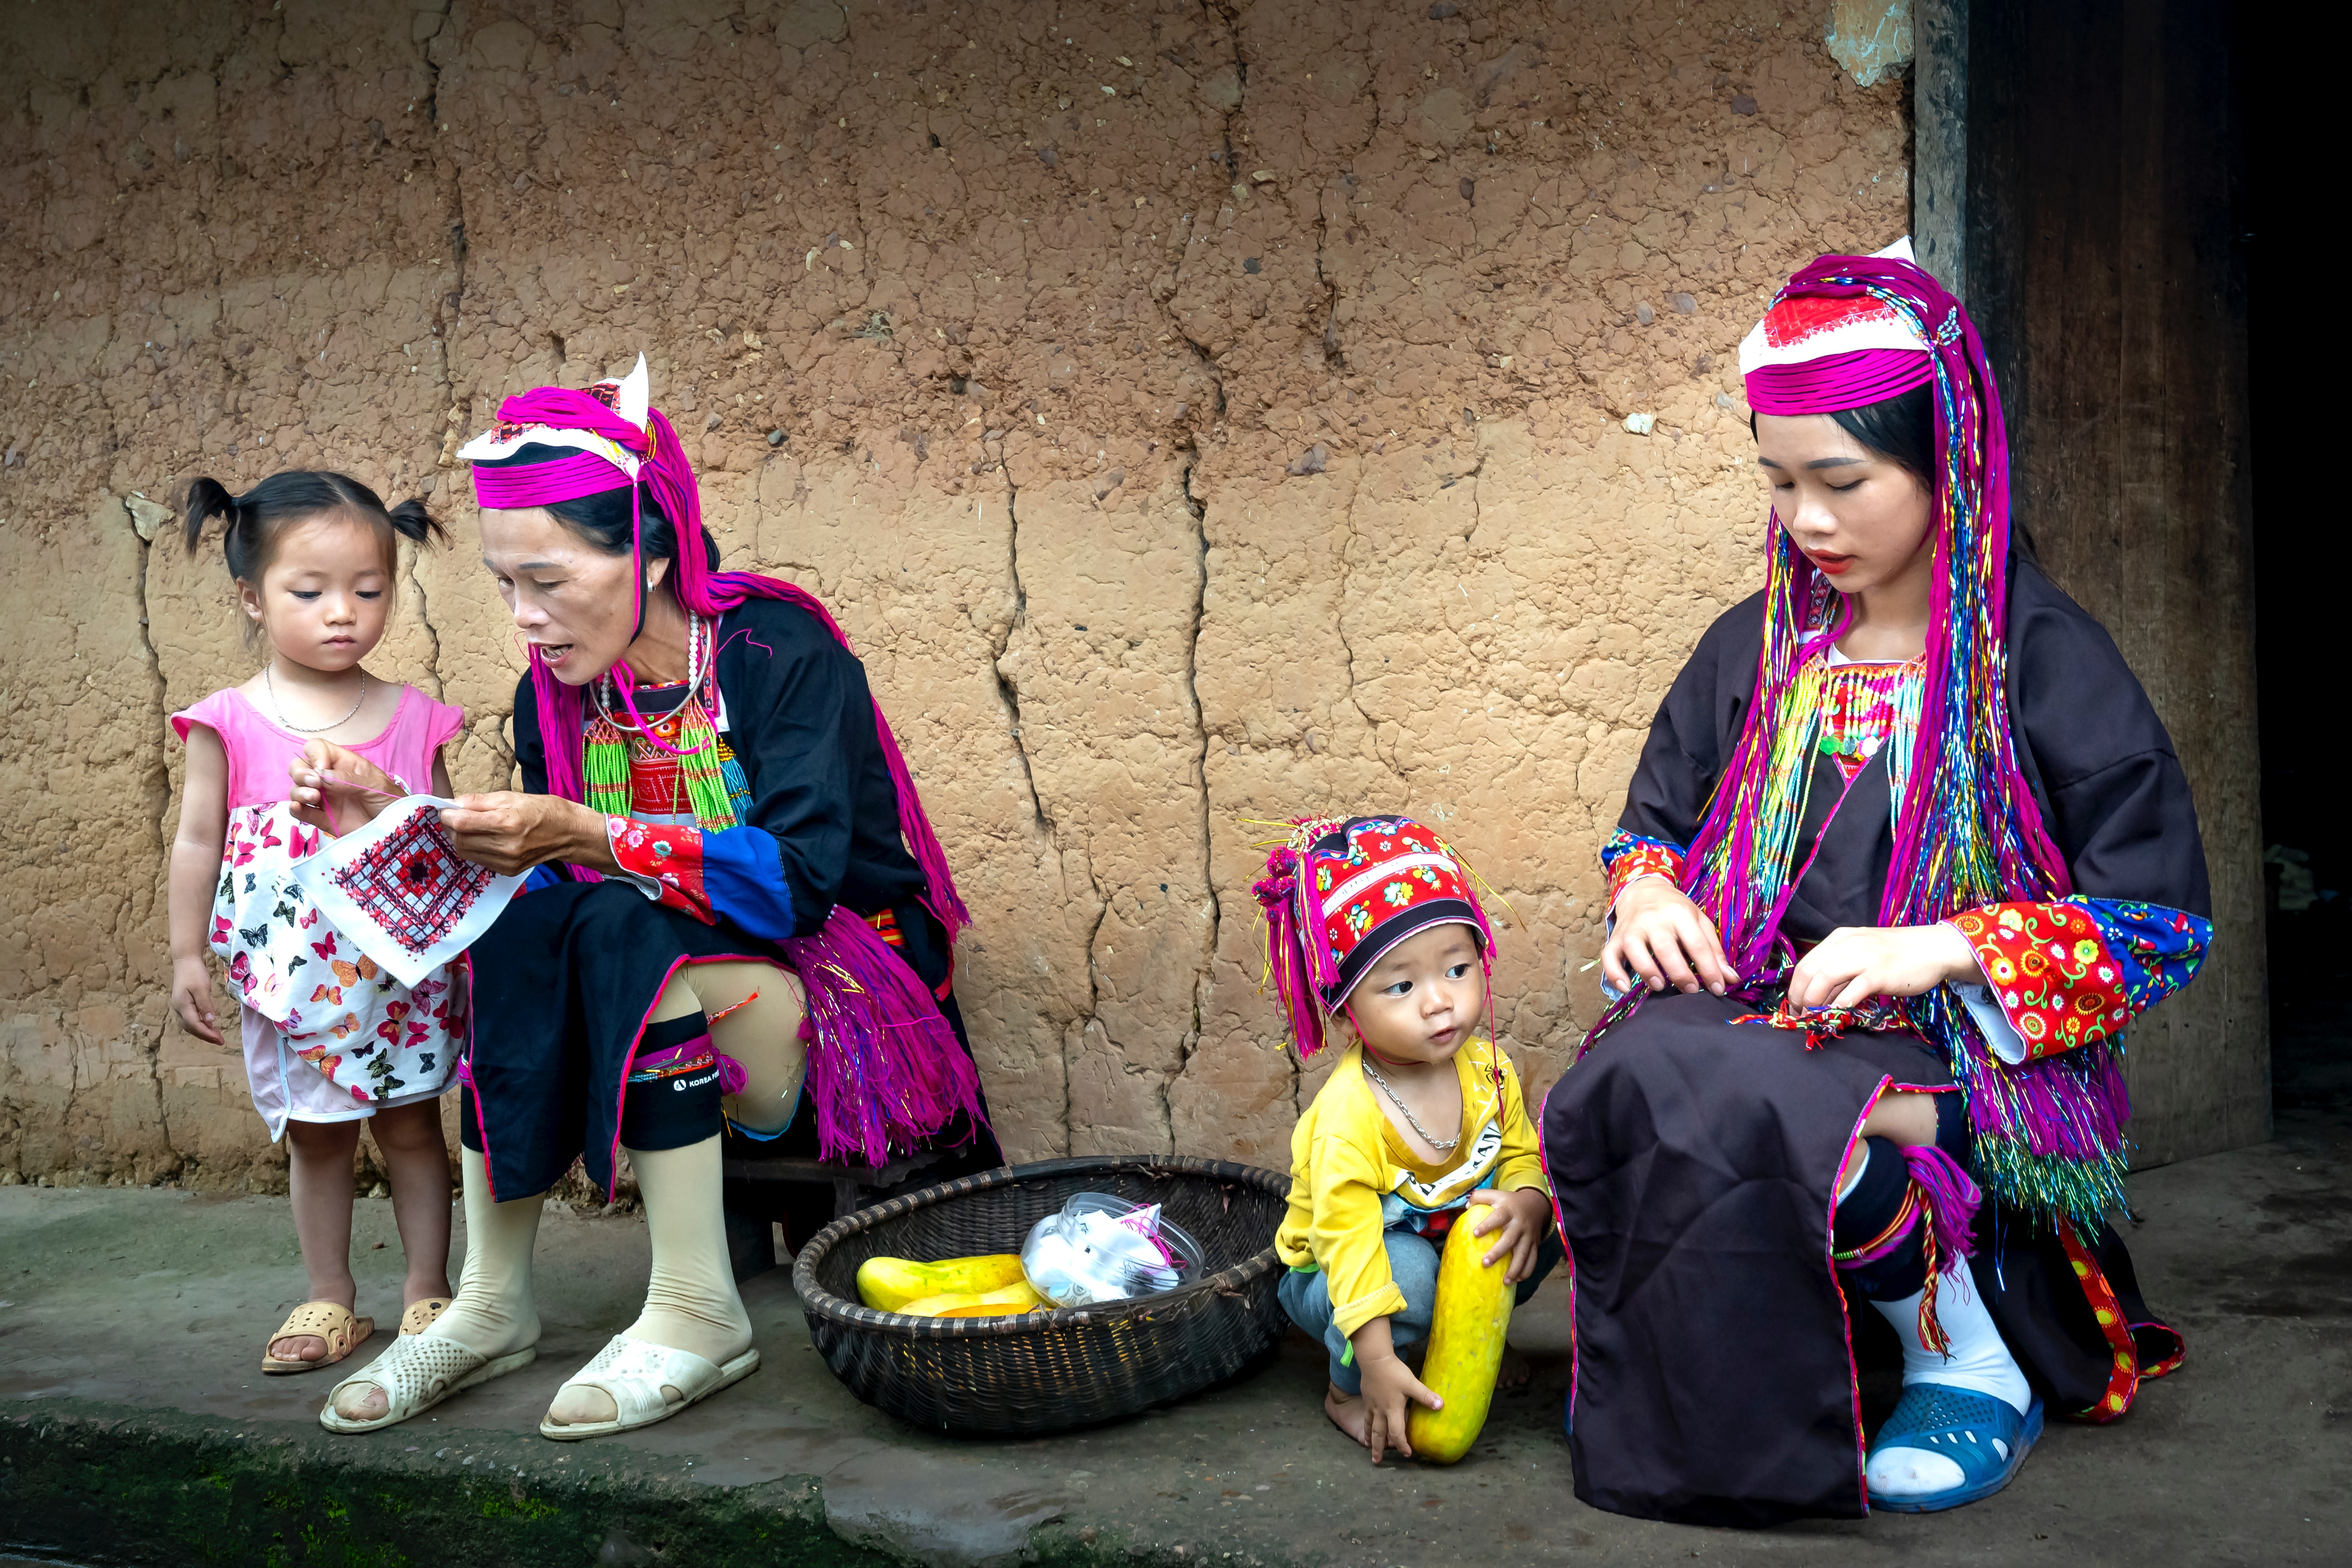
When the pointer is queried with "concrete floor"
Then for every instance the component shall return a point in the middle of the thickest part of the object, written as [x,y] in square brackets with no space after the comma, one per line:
[147,1309]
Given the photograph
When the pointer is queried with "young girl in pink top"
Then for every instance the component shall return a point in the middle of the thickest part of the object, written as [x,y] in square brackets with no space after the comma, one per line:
[331,1040]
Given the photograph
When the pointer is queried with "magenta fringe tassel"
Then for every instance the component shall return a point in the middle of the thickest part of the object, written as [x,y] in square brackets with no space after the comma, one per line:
[1291,949]
[1952,1201]
[884,1066]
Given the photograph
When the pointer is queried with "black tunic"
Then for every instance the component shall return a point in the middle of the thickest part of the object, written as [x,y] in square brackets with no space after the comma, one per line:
[564,980]
[1695,1163]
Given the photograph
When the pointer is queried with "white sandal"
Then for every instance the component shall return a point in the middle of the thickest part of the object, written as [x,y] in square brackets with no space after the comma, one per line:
[417,1372]
[633,1372]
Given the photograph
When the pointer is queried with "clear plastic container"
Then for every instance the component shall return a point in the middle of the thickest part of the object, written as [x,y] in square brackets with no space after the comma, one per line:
[1102,1248]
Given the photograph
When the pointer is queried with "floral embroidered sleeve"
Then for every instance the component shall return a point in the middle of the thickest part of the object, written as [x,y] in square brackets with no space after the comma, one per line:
[665,860]
[1628,857]
[2068,974]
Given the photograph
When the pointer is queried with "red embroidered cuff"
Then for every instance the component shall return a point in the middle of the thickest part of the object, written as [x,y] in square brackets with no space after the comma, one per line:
[2051,973]
[1635,858]
[666,859]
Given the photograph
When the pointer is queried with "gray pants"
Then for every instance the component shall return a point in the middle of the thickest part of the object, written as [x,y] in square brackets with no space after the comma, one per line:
[1306,1295]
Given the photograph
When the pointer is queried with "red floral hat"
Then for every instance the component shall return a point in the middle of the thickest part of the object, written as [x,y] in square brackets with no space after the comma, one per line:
[1339,893]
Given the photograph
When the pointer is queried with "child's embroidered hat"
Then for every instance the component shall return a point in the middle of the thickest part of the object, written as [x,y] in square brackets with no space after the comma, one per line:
[1341,892]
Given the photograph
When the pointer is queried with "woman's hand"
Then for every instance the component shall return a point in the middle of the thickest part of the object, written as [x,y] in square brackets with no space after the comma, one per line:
[326,774]
[192,997]
[1663,940]
[1854,964]
[1521,1216]
[510,831]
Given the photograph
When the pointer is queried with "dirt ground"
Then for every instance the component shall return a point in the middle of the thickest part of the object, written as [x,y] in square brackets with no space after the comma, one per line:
[133,1322]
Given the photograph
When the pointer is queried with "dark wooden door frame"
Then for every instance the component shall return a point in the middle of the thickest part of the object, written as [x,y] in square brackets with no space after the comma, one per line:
[2077,165]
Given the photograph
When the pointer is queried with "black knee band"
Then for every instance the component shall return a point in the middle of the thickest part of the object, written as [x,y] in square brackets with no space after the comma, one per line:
[1953,1135]
[676,1103]
[1864,1214]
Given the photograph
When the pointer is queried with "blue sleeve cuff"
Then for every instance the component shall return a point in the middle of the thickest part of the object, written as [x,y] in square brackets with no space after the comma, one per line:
[744,877]
[2159,949]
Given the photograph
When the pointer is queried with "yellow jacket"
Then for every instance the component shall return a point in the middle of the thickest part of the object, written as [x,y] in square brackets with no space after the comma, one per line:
[1352,1177]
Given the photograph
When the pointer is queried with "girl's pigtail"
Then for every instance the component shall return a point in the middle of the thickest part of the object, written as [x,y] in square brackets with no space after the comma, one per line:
[413,522]
[1286,964]
[207,499]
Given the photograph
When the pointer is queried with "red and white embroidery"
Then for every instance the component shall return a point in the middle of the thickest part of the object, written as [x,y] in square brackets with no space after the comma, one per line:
[399,890]
[411,884]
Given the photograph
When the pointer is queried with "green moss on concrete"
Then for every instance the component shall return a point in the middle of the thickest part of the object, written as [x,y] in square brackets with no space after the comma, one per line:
[143,1487]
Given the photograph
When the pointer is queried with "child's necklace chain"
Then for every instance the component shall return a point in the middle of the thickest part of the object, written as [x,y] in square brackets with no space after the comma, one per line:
[270,686]
[1443,1146]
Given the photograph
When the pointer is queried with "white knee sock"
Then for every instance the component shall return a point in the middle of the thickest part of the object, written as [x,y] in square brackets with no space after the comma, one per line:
[692,1303]
[1979,1361]
[1980,1358]
[493,1312]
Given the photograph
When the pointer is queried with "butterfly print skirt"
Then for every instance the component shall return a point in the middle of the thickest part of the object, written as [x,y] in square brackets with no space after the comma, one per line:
[329,1005]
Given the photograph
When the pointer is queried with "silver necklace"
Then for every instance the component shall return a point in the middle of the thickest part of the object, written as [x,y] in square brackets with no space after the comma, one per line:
[269,685]
[1443,1146]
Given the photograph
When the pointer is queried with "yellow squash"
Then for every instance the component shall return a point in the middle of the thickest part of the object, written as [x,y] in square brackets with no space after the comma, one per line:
[887,1284]
[1008,1302]
[1465,1345]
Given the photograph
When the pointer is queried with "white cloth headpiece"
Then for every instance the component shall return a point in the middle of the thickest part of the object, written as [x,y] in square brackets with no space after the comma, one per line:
[631,399]
[1798,331]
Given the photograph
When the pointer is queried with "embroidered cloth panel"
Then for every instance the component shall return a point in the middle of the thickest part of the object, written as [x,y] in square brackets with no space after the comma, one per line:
[399,889]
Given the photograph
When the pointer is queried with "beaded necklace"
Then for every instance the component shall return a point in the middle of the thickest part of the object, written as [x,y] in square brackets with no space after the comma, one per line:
[712,777]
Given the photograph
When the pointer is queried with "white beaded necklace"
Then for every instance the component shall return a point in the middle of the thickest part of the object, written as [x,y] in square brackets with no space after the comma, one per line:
[605,693]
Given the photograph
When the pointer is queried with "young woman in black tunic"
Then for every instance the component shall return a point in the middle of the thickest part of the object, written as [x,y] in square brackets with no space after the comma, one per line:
[737,914]
[1905,850]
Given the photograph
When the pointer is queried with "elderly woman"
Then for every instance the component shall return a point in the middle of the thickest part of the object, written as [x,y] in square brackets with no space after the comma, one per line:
[735,904]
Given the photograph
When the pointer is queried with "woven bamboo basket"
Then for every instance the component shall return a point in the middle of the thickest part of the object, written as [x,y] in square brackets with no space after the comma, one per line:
[1047,1372]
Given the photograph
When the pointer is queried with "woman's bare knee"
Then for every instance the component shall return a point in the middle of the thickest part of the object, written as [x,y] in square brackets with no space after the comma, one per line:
[679,998]
[1902,1116]
[756,1011]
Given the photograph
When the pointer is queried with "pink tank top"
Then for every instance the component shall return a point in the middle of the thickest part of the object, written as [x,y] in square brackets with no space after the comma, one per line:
[260,754]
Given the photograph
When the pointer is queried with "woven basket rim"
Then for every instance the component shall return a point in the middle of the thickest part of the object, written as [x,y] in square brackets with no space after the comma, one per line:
[819,1302]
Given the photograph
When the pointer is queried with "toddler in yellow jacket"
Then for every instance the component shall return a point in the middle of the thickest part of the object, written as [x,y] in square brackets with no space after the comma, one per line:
[1421,1126]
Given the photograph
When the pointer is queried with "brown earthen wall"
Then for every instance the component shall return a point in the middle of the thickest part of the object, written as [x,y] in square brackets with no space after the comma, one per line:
[1195,414]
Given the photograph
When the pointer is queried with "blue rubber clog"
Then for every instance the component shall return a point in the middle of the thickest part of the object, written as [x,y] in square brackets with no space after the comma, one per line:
[1964,1426]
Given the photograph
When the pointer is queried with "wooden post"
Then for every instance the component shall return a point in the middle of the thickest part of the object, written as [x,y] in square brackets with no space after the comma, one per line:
[2103,269]
[1939,141]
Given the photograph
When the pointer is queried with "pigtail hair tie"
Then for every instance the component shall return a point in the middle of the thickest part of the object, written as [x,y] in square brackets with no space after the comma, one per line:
[412,522]
[207,499]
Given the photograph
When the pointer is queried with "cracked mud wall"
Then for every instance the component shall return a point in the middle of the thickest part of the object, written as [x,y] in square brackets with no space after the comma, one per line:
[1192,412]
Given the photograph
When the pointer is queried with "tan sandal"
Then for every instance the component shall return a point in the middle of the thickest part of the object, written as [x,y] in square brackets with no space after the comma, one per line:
[329,1320]
[420,1315]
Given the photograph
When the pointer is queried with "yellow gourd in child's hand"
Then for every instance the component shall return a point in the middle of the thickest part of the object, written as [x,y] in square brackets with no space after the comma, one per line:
[1010,1301]
[887,1284]
[1466,1344]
